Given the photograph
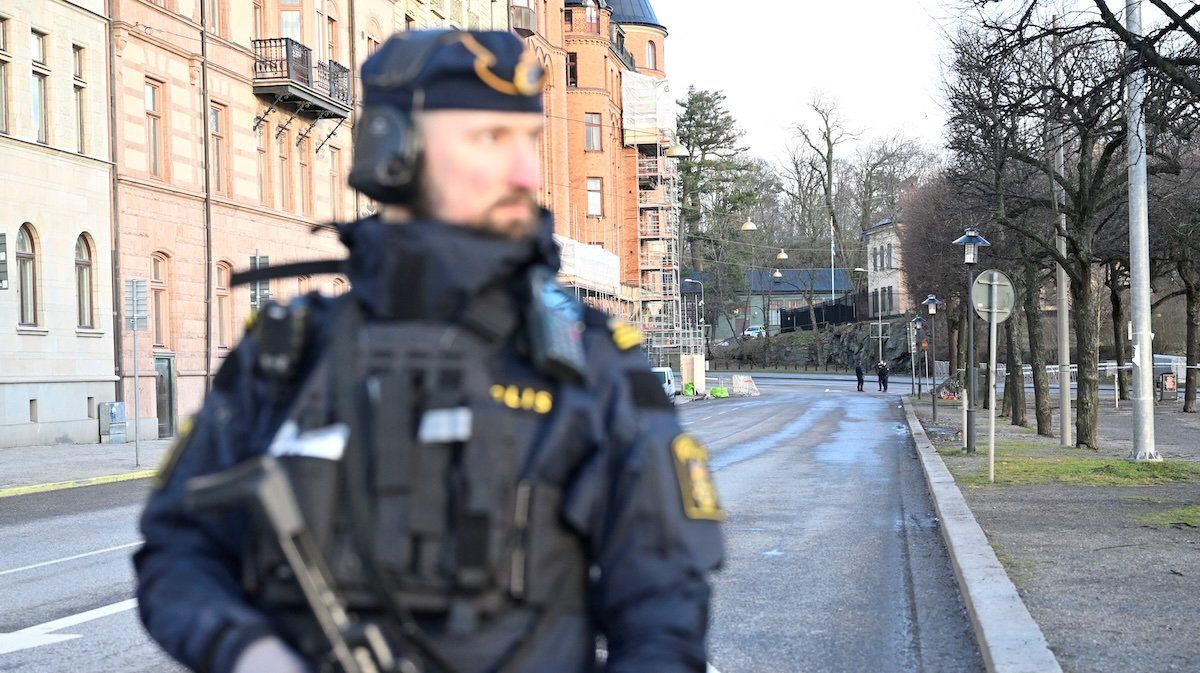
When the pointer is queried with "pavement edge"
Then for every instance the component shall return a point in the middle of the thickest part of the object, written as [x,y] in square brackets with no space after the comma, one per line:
[74,483]
[1010,641]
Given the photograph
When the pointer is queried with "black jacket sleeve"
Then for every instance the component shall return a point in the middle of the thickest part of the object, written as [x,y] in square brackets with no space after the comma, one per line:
[656,548]
[188,589]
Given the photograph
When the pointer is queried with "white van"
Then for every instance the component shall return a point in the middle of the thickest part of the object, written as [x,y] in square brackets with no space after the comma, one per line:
[667,378]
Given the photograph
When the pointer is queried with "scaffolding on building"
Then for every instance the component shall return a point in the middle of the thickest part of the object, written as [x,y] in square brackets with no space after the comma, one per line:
[649,122]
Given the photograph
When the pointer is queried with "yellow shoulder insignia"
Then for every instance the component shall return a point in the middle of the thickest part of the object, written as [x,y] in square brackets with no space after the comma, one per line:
[169,461]
[624,335]
[695,480]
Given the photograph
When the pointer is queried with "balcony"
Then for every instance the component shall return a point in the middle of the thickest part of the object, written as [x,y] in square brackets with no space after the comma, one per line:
[652,224]
[654,198]
[657,260]
[523,20]
[284,70]
[624,54]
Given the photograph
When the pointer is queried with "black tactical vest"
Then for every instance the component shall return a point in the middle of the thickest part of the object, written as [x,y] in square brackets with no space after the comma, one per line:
[431,462]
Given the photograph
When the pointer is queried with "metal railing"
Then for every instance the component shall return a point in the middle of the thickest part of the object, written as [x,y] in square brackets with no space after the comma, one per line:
[654,225]
[624,54]
[285,58]
[654,197]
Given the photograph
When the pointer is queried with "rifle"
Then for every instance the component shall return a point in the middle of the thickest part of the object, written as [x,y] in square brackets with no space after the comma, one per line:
[358,647]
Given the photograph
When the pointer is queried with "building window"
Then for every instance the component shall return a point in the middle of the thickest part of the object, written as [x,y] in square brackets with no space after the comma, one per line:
[37,47]
[331,36]
[651,56]
[4,59]
[83,282]
[153,94]
[283,173]
[264,169]
[372,44]
[216,130]
[592,14]
[216,25]
[889,256]
[572,69]
[224,308]
[27,276]
[568,20]
[335,182]
[258,19]
[592,140]
[595,200]
[37,96]
[305,150]
[289,20]
[160,299]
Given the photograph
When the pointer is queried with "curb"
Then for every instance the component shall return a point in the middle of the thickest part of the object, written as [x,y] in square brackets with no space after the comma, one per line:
[1010,641]
[75,483]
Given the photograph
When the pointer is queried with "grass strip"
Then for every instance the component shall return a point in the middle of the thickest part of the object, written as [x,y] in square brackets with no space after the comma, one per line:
[1182,516]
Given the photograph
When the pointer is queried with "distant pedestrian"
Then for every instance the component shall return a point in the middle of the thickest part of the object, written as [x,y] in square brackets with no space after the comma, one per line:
[882,371]
[858,371]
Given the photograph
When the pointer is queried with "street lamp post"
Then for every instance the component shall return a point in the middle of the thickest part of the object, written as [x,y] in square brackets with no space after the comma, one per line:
[699,314]
[932,302]
[918,325]
[971,242]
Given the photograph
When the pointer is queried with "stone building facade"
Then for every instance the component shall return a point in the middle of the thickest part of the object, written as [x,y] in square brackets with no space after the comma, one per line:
[887,284]
[55,221]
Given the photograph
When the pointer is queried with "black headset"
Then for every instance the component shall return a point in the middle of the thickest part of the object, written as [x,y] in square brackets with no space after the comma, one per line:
[387,147]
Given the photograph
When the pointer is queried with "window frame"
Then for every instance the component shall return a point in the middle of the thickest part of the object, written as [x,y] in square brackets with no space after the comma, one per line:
[219,113]
[599,193]
[221,292]
[593,140]
[306,179]
[160,300]
[572,70]
[85,284]
[27,285]
[5,62]
[155,164]
[283,199]
[651,55]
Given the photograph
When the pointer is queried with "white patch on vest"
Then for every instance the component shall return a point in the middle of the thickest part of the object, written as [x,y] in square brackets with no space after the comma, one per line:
[445,426]
[327,443]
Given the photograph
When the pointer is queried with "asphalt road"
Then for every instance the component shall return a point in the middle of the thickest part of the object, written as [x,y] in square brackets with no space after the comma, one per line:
[834,558]
[835,561]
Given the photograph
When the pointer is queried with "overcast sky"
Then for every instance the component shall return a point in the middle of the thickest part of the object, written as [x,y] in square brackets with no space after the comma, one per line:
[879,59]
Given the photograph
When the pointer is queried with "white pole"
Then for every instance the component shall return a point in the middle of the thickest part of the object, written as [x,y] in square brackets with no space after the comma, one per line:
[1064,316]
[1139,256]
[136,398]
[966,394]
[992,282]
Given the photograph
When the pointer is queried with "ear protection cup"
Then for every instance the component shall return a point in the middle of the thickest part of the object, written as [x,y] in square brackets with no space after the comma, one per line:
[387,153]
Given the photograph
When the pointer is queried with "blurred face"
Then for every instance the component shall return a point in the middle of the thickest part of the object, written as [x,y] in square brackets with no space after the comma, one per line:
[481,169]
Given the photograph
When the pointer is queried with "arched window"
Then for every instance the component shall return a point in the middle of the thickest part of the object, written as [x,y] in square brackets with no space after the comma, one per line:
[83,283]
[160,304]
[27,276]
[224,305]
[651,56]
[592,14]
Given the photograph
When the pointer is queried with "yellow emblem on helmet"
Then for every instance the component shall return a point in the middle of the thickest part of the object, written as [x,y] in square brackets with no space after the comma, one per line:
[529,77]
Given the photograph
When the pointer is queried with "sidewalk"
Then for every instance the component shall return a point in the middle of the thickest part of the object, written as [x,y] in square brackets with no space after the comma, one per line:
[1107,564]
[33,469]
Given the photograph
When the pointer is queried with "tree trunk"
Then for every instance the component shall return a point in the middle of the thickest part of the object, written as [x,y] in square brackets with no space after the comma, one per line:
[952,338]
[1087,356]
[1193,348]
[1005,332]
[1016,374]
[1037,352]
[1120,335]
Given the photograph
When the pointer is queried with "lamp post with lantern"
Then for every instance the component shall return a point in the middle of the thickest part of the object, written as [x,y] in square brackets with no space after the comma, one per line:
[932,303]
[971,241]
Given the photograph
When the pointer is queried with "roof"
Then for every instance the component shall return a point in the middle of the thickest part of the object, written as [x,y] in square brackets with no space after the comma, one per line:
[637,12]
[798,281]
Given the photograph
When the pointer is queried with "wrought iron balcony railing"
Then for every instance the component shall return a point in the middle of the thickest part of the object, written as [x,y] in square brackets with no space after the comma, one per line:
[282,58]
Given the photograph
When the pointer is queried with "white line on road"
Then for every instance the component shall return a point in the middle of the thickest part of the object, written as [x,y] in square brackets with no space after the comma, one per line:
[43,634]
[69,558]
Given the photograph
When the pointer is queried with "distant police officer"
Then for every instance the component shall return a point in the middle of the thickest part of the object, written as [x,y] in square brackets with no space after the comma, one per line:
[489,469]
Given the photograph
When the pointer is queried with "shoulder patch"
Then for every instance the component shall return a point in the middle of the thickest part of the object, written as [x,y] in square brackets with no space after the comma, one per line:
[169,461]
[695,480]
[624,335]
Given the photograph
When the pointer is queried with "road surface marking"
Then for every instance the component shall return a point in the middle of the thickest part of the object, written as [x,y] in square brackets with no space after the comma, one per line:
[42,634]
[69,558]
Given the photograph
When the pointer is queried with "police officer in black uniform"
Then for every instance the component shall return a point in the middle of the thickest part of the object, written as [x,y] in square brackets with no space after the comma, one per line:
[489,469]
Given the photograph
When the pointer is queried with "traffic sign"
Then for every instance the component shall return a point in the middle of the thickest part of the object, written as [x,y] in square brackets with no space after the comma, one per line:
[981,295]
[136,305]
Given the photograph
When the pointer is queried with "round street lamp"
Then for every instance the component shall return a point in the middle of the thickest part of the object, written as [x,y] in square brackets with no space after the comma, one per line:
[777,274]
[931,302]
[971,241]
[781,255]
[749,225]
